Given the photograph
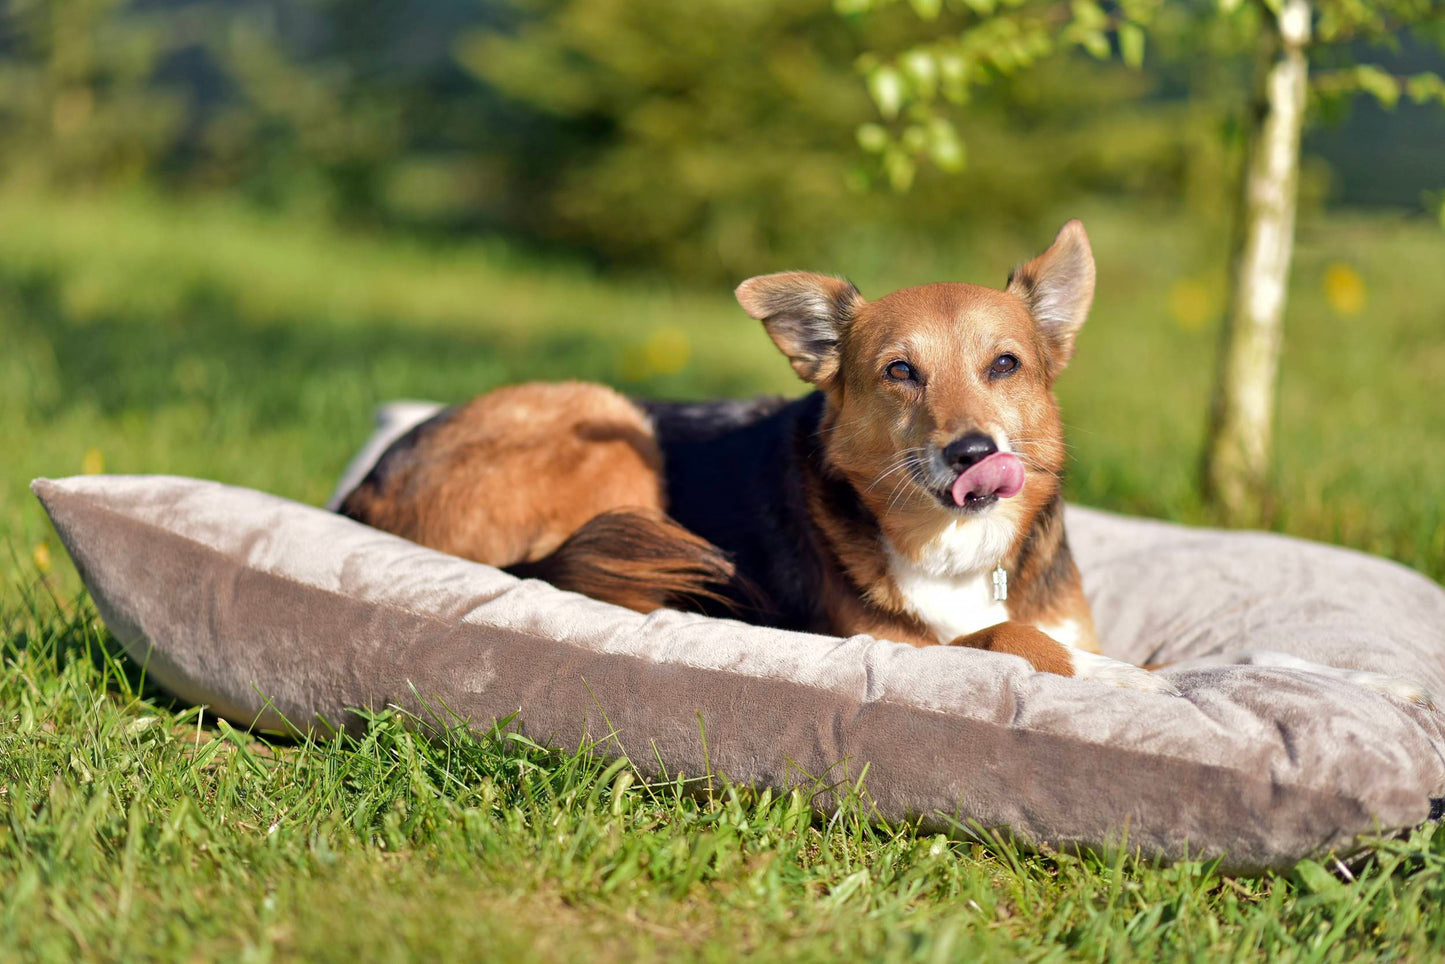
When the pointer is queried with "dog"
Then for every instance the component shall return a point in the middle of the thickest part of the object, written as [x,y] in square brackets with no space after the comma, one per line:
[914,495]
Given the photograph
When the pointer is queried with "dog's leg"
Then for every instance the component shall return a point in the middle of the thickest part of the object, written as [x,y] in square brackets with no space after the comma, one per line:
[1048,655]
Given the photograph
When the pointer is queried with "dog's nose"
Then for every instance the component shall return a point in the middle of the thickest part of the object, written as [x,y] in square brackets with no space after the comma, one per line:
[965,451]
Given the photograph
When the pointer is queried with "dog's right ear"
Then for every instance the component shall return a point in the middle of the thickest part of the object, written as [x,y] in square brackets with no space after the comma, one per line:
[1058,287]
[806,315]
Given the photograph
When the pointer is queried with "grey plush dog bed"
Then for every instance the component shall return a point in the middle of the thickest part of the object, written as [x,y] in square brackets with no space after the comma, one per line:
[266,610]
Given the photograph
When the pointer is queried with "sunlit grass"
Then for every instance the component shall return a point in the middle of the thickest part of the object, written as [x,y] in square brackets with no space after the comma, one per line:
[203,339]
[134,830]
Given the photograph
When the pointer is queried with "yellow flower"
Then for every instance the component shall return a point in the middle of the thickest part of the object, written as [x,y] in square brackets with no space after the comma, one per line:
[1192,303]
[1344,288]
[667,351]
[93,463]
[664,352]
[41,555]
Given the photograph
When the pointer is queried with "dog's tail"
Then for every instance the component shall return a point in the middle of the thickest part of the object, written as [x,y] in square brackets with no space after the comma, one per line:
[637,558]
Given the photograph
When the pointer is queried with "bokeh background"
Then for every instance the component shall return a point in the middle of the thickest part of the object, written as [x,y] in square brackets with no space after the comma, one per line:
[229,228]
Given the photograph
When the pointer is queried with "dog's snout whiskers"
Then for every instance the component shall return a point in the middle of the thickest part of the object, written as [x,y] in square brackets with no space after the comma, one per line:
[904,462]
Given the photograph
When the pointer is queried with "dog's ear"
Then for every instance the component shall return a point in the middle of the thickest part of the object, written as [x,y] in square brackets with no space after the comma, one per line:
[806,315]
[1058,287]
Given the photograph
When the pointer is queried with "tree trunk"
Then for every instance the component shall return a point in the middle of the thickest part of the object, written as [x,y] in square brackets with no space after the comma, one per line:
[1236,470]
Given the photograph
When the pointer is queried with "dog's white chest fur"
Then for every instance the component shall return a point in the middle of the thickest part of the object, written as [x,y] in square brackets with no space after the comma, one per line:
[949,588]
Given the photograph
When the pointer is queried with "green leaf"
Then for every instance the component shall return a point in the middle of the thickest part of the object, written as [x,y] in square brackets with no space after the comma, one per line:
[1088,14]
[900,169]
[1425,87]
[1379,84]
[873,138]
[885,86]
[954,69]
[1096,44]
[945,148]
[922,70]
[1138,11]
[1131,44]
[927,9]
[1039,44]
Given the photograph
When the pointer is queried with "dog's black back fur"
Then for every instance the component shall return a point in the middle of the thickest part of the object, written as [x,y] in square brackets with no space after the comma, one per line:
[738,474]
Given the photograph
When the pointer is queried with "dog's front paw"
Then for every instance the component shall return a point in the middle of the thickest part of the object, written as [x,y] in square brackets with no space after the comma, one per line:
[1114,672]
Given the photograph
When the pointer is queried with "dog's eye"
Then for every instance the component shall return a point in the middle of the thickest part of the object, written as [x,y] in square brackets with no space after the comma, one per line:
[901,371]
[1003,365]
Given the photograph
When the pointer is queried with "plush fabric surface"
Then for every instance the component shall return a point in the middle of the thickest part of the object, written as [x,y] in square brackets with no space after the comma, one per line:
[269,610]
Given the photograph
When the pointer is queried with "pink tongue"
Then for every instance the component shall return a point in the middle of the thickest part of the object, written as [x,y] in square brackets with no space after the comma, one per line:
[1000,474]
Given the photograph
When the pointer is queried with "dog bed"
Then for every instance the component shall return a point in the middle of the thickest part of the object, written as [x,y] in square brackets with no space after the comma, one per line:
[278,614]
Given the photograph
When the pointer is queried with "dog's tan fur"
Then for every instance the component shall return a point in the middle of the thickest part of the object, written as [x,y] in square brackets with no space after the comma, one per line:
[870,421]
[511,477]
[512,474]
[951,333]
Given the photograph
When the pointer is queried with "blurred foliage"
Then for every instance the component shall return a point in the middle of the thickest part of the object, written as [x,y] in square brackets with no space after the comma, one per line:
[708,141]
[722,141]
[712,144]
[78,92]
[972,44]
[327,104]
[711,141]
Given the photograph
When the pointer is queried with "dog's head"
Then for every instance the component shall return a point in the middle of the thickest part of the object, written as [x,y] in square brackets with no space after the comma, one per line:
[940,397]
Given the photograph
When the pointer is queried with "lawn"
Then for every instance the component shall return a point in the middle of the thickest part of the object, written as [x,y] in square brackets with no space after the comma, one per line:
[138,335]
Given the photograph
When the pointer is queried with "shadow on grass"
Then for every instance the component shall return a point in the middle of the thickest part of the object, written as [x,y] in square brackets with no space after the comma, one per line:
[43,629]
[204,352]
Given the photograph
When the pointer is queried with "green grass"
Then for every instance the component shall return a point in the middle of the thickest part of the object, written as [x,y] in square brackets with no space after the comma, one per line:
[205,340]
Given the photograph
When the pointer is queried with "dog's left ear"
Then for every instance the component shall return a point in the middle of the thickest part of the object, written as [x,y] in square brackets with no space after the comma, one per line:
[1058,287]
[806,315]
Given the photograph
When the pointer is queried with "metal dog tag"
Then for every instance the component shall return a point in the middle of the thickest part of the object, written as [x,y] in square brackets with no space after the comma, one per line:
[1000,584]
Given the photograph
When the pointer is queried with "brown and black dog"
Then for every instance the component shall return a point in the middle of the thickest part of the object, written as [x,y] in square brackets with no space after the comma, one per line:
[914,496]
